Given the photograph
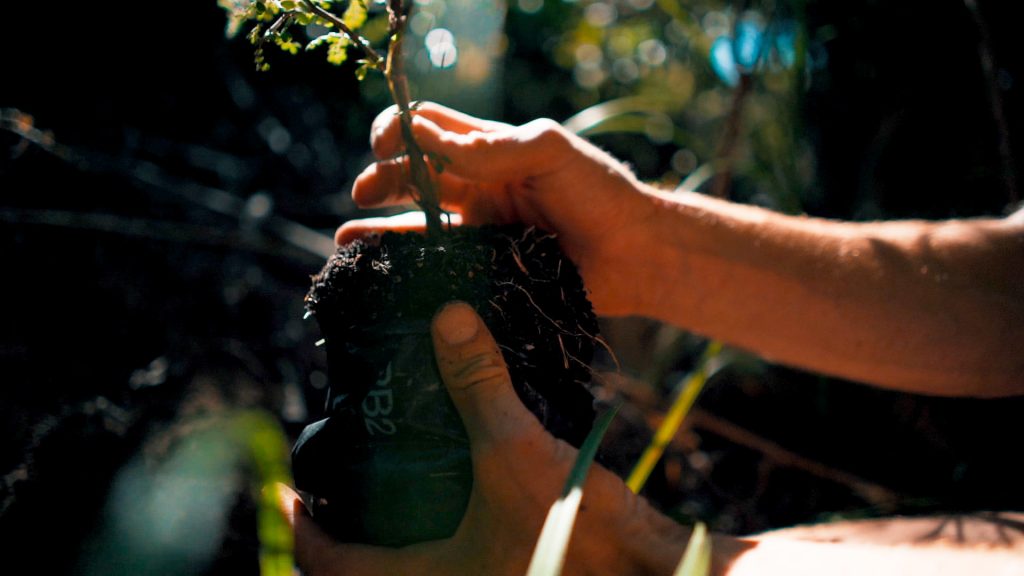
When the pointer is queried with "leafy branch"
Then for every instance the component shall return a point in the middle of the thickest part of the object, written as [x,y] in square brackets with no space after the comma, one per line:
[273,20]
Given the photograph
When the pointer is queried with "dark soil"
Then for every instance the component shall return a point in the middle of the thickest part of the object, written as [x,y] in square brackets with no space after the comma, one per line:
[393,448]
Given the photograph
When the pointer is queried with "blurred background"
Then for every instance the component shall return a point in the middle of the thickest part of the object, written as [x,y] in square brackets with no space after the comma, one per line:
[163,204]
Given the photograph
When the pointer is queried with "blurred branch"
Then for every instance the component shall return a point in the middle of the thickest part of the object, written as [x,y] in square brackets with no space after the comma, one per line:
[298,236]
[726,154]
[215,200]
[147,228]
[23,125]
[694,32]
[988,67]
[686,393]
[872,493]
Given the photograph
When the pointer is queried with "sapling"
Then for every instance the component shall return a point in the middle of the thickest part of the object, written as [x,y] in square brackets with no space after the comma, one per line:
[390,464]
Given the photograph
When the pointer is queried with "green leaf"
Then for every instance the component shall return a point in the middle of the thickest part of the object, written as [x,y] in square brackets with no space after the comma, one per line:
[696,559]
[364,67]
[355,14]
[264,443]
[338,51]
[288,45]
[337,45]
[549,554]
[686,395]
[255,35]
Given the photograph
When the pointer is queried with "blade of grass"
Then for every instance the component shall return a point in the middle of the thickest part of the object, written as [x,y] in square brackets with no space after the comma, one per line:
[696,559]
[549,554]
[263,441]
[686,395]
[590,120]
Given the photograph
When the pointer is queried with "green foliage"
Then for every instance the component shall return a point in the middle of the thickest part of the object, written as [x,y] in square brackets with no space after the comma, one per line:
[264,445]
[166,515]
[686,396]
[337,46]
[274,21]
[681,62]
[355,15]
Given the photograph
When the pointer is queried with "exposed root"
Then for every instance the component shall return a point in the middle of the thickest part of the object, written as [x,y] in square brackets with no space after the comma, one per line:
[534,304]
[605,345]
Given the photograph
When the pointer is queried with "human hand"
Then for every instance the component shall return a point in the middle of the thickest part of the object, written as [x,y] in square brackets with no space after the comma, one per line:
[518,472]
[537,174]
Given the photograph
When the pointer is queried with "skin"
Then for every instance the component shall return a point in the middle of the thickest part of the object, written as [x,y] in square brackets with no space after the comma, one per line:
[926,307]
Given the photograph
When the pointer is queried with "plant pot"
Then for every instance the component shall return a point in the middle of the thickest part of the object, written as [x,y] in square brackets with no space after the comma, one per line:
[390,465]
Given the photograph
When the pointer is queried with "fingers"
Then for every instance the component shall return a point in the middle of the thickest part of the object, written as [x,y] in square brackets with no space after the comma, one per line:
[405,222]
[386,183]
[474,371]
[385,135]
[477,149]
[511,154]
[287,499]
[317,553]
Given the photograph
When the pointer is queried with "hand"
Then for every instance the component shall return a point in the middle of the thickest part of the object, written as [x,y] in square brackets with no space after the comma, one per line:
[537,174]
[519,470]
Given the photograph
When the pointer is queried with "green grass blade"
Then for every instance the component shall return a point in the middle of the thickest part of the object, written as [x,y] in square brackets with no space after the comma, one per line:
[697,557]
[261,439]
[549,554]
[685,398]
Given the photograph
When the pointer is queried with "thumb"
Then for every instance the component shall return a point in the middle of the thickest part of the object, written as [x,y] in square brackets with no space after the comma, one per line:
[478,381]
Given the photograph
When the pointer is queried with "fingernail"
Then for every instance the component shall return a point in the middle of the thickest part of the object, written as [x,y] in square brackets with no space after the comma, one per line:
[456,323]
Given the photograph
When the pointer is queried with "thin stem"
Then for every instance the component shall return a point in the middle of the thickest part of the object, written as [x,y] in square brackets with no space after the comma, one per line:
[988,67]
[371,55]
[730,138]
[426,195]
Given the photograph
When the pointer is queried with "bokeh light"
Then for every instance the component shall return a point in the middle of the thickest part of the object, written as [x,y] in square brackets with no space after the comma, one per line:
[440,43]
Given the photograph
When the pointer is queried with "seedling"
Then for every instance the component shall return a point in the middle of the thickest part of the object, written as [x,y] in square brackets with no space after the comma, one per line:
[275,21]
[391,464]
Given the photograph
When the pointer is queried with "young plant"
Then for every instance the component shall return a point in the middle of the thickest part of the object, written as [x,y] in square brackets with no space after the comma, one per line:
[390,465]
[275,21]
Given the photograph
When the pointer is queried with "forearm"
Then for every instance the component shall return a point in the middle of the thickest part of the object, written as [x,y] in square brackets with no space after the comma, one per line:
[926,307]
[654,545]
[797,558]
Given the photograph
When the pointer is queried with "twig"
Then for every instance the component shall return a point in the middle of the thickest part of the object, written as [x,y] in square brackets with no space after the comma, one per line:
[725,156]
[164,230]
[303,238]
[873,493]
[995,101]
[419,174]
[371,55]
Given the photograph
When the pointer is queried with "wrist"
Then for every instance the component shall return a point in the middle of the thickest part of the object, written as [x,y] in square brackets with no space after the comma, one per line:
[662,273]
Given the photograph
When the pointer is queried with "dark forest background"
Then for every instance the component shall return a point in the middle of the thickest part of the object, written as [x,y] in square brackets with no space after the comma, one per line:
[162,206]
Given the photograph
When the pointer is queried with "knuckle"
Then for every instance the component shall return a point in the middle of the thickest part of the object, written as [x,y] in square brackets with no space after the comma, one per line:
[548,136]
[484,369]
[545,130]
